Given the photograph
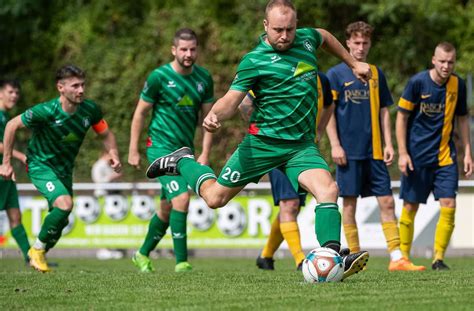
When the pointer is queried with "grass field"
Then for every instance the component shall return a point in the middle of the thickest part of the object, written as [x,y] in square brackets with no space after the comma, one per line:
[230,284]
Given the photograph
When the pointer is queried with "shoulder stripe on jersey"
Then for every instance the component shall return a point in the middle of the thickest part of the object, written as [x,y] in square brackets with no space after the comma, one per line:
[444,155]
[406,104]
[375,114]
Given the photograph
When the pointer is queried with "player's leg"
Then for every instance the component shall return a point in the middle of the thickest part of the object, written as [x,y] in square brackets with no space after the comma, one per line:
[289,228]
[349,205]
[265,259]
[445,189]
[178,217]
[407,227]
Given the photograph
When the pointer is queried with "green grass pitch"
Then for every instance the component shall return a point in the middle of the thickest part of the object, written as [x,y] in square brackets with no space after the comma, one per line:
[230,284]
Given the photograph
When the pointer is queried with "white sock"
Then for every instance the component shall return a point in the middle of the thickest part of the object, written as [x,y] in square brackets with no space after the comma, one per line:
[39,245]
[396,255]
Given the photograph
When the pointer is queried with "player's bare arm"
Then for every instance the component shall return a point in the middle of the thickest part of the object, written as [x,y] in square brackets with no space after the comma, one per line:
[246,108]
[206,138]
[138,122]
[332,45]
[404,160]
[110,145]
[223,110]
[463,125]
[326,114]
[388,151]
[337,152]
[6,169]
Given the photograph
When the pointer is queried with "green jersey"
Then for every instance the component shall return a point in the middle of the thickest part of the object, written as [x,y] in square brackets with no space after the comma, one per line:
[285,87]
[3,123]
[57,135]
[176,100]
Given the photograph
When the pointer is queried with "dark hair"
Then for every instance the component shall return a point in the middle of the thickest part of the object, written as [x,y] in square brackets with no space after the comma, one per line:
[186,34]
[359,27]
[446,46]
[279,3]
[14,83]
[69,71]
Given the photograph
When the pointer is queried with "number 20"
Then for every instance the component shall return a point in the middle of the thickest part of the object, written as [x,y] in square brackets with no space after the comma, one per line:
[232,176]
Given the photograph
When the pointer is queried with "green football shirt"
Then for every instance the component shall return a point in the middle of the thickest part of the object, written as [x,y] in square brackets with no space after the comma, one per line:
[285,87]
[57,135]
[176,100]
[3,123]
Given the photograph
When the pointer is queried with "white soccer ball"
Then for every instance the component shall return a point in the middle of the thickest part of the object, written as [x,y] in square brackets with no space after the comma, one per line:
[87,209]
[323,265]
[116,207]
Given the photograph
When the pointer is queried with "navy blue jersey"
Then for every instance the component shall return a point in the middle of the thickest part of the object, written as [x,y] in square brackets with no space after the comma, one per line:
[432,108]
[358,111]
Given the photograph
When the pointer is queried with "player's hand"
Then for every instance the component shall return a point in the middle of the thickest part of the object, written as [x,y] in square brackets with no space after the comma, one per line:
[339,155]
[203,160]
[467,165]
[115,164]
[362,72]
[388,154]
[405,164]
[134,159]
[6,171]
[211,123]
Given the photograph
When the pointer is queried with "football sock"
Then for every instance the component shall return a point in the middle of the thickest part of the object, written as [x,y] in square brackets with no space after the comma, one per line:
[407,229]
[55,238]
[291,233]
[19,234]
[53,225]
[444,230]
[194,173]
[178,232]
[392,236]
[274,240]
[352,237]
[156,230]
[327,224]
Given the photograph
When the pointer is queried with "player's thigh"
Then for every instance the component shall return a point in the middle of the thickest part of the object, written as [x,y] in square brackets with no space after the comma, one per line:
[172,186]
[349,178]
[50,185]
[377,179]
[445,183]
[416,187]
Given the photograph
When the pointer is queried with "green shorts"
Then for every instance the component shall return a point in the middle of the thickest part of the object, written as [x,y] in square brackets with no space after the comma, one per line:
[49,184]
[172,186]
[8,195]
[258,155]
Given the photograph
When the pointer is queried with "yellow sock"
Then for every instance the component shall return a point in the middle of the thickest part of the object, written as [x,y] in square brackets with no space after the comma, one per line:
[392,236]
[407,229]
[352,237]
[291,233]
[274,240]
[444,230]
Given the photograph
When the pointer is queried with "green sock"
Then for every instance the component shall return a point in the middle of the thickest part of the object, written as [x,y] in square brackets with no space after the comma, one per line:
[156,231]
[194,173]
[19,234]
[53,225]
[55,238]
[328,224]
[178,232]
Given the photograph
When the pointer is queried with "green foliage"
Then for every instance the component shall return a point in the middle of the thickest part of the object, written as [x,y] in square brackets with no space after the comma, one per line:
[119,42]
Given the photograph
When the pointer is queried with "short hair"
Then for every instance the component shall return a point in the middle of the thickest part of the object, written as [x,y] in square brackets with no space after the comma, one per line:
[69,71]
[186,34]
[446,46]
[359,27]
[279,3]
[14,83]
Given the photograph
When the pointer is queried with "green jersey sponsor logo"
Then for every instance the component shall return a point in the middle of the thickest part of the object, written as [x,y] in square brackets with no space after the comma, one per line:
[186,101]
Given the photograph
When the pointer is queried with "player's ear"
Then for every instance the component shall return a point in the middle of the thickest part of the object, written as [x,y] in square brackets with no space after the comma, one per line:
[265,25]
[173,50]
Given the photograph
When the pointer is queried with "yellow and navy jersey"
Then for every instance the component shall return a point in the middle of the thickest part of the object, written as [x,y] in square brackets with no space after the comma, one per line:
[432,108]
[358,111]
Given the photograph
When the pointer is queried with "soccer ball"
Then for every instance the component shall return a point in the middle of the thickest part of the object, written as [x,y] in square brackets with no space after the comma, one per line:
[323,265]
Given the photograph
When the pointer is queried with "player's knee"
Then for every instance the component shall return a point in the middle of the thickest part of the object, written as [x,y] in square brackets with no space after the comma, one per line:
[14,219]
[332,191]
[289,208]
[64,202]
[387,204]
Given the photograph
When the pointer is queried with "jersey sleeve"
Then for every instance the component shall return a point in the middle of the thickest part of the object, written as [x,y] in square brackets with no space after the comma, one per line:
[326,86]
[151,89]
[334,84]
[35,116]
[461,106]
[318,37]
[410,96]
[384,92]
[209,95]
[245,77]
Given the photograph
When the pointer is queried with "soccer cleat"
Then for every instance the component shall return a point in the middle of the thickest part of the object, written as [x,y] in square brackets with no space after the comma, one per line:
[183,267]
[37,260]
[300,266]
[353,263]
[265,263]
[404,264]
[142,262]
[168,164]
[439,265]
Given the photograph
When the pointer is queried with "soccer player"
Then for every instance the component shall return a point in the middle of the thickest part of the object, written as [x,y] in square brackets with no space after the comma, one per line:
[9,96]
[427,154]
[58,129]
[176,93]
[355,131]
[285,226]
[282,72]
